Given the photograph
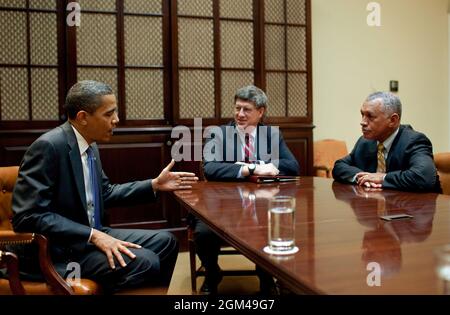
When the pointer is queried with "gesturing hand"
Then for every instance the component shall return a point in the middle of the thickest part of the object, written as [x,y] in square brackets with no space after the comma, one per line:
[168,181]
[112,247]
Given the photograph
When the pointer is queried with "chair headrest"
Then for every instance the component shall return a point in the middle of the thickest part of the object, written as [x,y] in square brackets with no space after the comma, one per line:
[442,161]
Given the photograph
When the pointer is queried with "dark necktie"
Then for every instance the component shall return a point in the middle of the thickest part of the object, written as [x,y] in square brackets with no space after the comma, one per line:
[94,187]
[248,149]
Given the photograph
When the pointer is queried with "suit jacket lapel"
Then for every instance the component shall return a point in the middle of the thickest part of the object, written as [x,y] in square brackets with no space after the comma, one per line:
[392,149]
[75,160]
[256,143]
[235,145]
[98,169]
[264,140]
[372,156]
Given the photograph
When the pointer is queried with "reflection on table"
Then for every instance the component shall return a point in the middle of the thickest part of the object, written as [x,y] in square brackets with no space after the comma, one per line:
[338,230]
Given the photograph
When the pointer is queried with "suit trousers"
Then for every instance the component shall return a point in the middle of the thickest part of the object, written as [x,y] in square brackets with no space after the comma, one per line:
[154,262]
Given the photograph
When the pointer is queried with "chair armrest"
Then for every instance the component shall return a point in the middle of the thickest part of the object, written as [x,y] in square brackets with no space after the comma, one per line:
[12,238]
[11,262]
[51,276]
[322,168]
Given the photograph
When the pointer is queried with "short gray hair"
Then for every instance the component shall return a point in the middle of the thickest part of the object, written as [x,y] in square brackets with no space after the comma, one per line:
[85,95]
[391,102]
[253,94]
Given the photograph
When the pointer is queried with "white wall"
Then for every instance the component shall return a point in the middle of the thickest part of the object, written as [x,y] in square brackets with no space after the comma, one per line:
[351,60]
[449,65]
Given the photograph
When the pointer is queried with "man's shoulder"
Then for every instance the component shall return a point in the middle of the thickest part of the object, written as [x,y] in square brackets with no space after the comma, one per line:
[408,132]
[363,142]
[55,137]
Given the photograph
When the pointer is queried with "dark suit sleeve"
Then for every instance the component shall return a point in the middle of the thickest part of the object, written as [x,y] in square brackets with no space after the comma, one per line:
[287,164]
[215,166]
[33,194]
[127,194]
[214,170]
[344,170]
[421,171]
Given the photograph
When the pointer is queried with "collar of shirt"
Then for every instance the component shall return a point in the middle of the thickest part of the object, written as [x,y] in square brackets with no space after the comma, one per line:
[242,135]
[82,143]
[388,142]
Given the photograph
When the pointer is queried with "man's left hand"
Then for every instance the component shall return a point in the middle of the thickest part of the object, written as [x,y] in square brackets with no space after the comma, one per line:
[169,181]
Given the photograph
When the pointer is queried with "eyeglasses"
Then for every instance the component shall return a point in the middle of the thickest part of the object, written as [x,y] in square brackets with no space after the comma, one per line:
[247,110]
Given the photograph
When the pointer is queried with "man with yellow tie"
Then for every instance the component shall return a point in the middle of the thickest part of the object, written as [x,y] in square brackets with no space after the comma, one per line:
[388,155]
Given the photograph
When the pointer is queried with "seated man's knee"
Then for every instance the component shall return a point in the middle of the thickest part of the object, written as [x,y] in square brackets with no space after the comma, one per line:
[168,241]
[145,261]
[143,268]
[169,237]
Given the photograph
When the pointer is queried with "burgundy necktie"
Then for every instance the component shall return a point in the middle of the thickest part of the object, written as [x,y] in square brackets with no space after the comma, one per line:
[248,149]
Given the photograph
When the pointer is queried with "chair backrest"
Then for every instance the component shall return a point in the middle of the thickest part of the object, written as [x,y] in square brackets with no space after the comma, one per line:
[442,162]
[8,177]
[326,152]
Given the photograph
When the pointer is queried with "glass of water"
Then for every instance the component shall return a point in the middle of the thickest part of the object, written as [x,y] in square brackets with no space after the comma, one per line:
[281,223]
[443,268]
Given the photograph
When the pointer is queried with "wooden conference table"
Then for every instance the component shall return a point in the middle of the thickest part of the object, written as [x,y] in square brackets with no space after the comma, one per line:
[338,232]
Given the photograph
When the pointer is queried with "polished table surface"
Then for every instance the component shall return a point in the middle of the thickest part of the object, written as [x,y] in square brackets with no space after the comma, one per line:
[338,232]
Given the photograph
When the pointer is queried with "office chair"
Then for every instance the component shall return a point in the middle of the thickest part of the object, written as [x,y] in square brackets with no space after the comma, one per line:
[326,152]
[17,282]
[442,162]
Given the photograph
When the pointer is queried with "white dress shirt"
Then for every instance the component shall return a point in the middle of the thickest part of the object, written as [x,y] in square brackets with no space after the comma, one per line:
[252,139]
[83,146]
[388,143]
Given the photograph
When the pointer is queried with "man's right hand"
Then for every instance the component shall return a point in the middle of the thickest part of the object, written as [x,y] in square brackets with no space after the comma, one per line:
[112,247]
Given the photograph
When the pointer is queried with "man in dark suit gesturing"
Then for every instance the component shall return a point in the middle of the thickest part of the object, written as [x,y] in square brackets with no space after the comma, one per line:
[62,191]
[242,148]
[388,155]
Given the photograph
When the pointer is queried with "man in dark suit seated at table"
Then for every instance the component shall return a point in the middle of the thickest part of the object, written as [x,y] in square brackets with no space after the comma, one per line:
[62,192]
[242,148]
[388,155]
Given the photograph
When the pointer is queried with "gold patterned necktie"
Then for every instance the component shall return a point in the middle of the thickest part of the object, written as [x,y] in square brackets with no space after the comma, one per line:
[381,165]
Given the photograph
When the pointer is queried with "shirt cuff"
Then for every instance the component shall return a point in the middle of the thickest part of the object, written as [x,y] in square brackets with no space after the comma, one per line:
[239,175]
[90,235]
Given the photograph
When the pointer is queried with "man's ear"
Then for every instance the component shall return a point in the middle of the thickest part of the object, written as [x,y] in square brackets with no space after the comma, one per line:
[261,110]
[81,118]
[395,119]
